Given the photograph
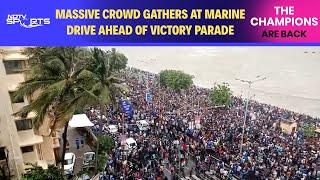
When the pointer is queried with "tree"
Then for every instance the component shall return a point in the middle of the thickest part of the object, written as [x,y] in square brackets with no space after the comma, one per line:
[55,87]
[221,95]
[102,147]
[309,130]
[117,60]
[63,80]
[90,171]
[176,80]
[100,75]
[106,143]
[38,173]
[104,85]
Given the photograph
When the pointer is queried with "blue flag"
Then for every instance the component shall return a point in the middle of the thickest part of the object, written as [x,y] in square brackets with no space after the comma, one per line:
[148,97]
[127,108]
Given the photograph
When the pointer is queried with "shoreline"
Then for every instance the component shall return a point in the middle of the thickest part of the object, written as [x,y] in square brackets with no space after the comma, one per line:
[292,77]
[252,99]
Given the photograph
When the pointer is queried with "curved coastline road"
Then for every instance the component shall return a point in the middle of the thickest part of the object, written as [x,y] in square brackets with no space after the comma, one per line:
[293,75]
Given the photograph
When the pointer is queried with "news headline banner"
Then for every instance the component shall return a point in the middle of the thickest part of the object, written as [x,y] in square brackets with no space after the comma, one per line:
[167,22]
[151,14]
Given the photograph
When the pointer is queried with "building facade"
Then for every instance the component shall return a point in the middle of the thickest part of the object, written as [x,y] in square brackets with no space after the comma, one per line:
[20,143]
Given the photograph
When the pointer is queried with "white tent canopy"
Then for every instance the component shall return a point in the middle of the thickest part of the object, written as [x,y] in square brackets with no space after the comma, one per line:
[80,120]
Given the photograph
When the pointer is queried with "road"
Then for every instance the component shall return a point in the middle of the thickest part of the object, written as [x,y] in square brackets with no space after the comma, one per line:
[73,134]
[292,74]
[186,170]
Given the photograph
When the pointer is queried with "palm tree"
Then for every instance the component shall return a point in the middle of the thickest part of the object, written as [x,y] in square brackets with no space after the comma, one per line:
[105,85]
[117,60]
[54,87]
[62,80]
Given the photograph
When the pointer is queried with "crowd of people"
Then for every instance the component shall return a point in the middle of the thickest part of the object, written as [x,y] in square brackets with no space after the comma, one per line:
[187,136]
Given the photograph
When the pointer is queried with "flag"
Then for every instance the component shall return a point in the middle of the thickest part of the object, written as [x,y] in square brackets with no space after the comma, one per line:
[148,97]
[126,107]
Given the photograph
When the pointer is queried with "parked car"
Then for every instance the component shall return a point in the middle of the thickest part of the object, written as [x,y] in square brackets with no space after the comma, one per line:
[112,129]
[84,177]
[69,161]
[143,125]
[88,159]
[130,144]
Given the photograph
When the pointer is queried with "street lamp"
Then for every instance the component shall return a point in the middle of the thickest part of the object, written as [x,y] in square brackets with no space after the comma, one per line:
[159,88]
[250,83]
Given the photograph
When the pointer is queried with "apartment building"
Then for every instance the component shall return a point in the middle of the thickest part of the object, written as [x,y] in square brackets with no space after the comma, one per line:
[19,142]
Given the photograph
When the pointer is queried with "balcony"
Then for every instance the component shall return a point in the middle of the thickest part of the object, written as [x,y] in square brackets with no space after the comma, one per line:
[12,81]
[28,138]
[14,53]
[29,116]
[17,106]
[30,157]
[43,164]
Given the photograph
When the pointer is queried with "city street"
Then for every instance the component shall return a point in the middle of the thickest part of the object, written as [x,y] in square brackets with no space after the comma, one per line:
[73,134]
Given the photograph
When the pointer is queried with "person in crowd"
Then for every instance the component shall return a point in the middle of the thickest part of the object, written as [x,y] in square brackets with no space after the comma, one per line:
[173,147]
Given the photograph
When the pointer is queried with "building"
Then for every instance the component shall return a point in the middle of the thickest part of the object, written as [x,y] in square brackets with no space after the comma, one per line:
[19,142]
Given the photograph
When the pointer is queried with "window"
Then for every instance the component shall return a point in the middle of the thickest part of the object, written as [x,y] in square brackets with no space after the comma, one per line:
[24,124]
[68,161]
[2,153]
[19,100]
[26,149]
[14,66]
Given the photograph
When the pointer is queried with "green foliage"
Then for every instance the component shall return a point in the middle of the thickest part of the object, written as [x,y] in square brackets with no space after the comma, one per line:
[102,160]
[101,80]
[67,79]
[38,173]
[106,143]
[221,95]
[117,60]
[86,172]
[54,73]
[90,171]
[309,130]
[176,80]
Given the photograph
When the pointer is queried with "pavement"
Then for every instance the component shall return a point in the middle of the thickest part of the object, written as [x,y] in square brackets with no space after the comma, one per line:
[72,135]
[191,165]
[186,170]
